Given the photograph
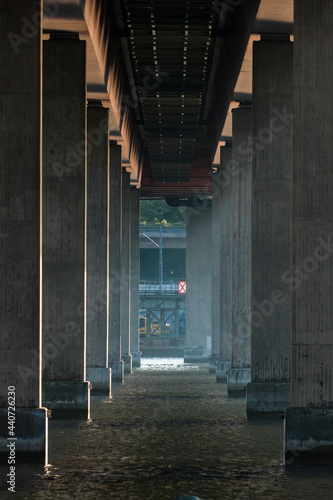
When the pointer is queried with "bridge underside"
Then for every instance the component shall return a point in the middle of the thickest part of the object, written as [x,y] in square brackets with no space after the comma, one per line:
[167,72]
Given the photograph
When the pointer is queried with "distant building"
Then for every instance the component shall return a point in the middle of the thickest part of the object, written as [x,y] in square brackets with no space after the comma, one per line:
[162,308]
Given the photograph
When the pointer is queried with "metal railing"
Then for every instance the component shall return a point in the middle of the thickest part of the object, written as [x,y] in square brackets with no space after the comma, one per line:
[154,287]
[165,230]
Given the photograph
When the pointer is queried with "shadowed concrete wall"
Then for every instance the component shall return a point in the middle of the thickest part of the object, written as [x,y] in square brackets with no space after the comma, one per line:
[226,178]
[271,226]
[198,284]
[309,421]
[64,226]
[98,372]
[20,155]
[216,272]
[115,223]
[135,277]
[239,373]
[20,279]
[125,313]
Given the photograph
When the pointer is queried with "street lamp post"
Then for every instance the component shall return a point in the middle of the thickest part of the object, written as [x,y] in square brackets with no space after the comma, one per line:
[161,262]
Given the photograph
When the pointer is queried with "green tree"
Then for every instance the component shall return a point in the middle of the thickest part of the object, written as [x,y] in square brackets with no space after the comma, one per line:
[158,212]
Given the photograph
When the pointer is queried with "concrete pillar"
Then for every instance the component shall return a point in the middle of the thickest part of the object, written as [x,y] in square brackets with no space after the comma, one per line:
[20,277]
[115,192]
[216,271]
[135,278]
[268,392]
[198,285]
[239,373]
[309,420]
[224,179]
[125,313]
[65,389]
[98,372]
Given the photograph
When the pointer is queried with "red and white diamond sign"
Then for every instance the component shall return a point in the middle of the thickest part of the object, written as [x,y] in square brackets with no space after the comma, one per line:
[182,287]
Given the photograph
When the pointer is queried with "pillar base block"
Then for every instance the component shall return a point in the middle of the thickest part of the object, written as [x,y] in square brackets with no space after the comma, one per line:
[67,399]
[308,436]
[136,359]
[31,433]
[128,360]
[222,368]
[237,380]
[196,355]
[100,378]
[118,371]
[267,400]
[212,363]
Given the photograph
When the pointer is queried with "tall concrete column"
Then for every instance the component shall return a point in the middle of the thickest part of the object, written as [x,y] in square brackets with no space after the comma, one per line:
[268,392]
[65,389]
[239,373]
[20,277]
[224,179]
[309,420]
[216,271]
[135,278]
[198,285]
[115,245]
[126,273]
[98,372]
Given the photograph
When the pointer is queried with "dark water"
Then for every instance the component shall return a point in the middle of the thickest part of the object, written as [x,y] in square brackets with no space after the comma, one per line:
[170,430]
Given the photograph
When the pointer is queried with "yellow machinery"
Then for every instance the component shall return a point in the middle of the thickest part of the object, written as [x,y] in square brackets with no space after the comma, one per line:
[155,327]
[142,326]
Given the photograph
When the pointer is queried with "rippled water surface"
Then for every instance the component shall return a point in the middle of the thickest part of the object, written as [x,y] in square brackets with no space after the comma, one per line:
[170,430]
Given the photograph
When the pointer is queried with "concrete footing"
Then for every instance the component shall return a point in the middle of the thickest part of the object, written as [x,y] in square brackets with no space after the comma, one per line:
[128,360]
[100,379]
[118,371]
[67,399]
[222,368]
[237,380]
[30,433]
[267,400]
[212,363]
[136,359]
[196,356]
[308,436]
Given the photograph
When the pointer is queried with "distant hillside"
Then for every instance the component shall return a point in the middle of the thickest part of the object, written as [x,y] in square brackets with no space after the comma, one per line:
[160,213]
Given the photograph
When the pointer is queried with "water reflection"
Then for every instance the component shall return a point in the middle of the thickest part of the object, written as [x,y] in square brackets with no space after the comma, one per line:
[169,431]
[167,364]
